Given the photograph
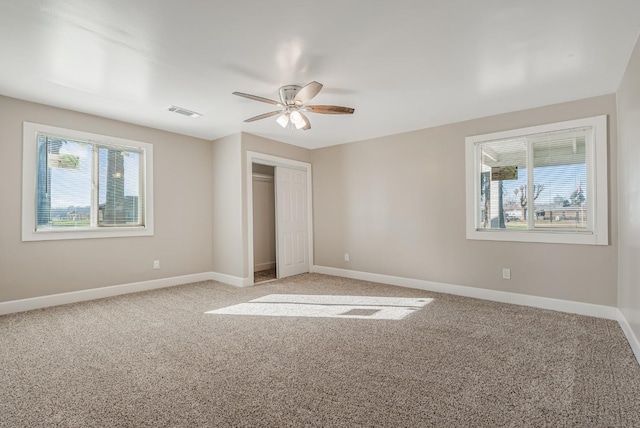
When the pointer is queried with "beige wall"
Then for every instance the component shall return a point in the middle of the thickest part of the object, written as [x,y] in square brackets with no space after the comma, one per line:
[227,207]
[264,218]
[182,176]
[628,98]
[255,143]
[382,202]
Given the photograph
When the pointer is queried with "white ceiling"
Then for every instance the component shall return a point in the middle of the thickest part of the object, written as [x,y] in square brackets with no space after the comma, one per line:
[403,65]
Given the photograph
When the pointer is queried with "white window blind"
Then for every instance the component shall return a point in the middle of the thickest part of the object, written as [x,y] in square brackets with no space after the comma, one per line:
[119,187]
[84,185]
[538,181]
[69,196]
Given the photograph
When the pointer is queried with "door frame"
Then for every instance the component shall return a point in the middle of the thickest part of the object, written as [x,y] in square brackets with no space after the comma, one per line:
[270,160]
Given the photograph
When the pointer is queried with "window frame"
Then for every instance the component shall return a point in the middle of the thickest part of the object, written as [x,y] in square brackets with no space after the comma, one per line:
[30,188]
[597,183]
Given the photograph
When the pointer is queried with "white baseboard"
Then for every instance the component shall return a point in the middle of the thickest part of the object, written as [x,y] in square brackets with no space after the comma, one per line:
[98,293]
[21,305]
[631,337]
[230,279]
[600,311]
[264,266]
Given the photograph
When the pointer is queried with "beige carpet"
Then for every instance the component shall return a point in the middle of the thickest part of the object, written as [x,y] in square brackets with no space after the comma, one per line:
[156,359]
[264,275]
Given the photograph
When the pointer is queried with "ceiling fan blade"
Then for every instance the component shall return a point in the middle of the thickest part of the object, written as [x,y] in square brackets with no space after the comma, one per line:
[329,109]
[257,98]
[305,94]
[264,116]
[307,123]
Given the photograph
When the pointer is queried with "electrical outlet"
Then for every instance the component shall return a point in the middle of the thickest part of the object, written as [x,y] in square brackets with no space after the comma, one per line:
[506,273]
[156,264]
[346,257]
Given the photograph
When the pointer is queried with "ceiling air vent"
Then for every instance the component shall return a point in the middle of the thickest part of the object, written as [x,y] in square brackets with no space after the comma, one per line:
[184,111]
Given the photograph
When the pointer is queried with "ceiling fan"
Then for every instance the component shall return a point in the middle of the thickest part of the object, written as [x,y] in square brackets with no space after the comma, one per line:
[293,105]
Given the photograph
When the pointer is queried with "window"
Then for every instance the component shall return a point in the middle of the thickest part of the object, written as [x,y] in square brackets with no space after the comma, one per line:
[81,185]
[541,184]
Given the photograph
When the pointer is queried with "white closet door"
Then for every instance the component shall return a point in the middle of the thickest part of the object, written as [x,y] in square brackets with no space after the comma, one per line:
[292,224]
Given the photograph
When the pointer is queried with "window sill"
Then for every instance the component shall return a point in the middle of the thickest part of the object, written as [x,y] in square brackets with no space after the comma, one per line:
[555,237]
[107,232]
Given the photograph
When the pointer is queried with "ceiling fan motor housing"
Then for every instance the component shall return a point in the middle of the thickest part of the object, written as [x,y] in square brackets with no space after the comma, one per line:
[288,93]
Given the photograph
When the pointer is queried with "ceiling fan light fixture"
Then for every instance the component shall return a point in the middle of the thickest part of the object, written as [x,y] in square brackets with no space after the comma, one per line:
[296,118]
[300,124]
[283,120]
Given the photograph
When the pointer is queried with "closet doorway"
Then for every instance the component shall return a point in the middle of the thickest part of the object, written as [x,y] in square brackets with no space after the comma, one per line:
[279,217]
[264,223]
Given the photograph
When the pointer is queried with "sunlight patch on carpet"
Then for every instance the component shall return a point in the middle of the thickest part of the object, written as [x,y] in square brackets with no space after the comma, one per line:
[327,306]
